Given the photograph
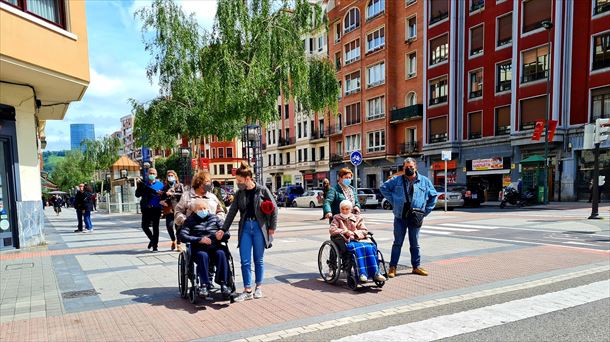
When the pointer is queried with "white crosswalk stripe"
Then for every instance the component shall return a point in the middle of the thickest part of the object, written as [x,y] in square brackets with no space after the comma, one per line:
[465,225]
[489,316]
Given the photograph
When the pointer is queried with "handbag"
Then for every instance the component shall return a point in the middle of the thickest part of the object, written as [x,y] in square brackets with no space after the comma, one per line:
[415,218]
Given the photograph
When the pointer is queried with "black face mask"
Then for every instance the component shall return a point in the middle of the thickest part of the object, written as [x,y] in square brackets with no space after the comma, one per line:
[409,172]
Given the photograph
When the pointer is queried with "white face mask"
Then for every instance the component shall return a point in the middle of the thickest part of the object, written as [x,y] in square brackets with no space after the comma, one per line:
[344,215]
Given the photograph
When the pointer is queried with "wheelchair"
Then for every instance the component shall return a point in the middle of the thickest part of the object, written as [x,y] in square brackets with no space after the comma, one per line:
[333,258]
[188,280]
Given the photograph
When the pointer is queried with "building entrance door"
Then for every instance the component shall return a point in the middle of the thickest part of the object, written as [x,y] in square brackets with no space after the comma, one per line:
[8,227]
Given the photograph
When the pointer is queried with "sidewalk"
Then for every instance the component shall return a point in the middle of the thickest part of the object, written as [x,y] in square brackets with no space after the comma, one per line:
[107,286]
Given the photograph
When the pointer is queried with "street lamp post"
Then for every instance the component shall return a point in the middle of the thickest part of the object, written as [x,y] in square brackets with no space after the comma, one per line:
[548,25]
[185,164]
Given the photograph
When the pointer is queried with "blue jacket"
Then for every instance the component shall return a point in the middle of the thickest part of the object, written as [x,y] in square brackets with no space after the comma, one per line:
[424,194]
[148,193]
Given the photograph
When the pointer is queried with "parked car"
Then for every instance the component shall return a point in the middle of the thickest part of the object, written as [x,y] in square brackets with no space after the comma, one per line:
[287,195]
[379,195]
[311,199]
[385,204]
[367,198]
[473,193]
[454,199]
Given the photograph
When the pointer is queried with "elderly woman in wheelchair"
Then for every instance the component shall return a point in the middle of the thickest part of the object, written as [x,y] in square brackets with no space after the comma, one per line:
[351,249]
[206,250]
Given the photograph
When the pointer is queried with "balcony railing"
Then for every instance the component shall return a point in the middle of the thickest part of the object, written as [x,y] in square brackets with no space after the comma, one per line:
[438,100]
[318,134]
[503,86]
[437,138]
[286,141]
[503,130]
[408,148]
[476,93]
[406,113]
[603,7]
[438,17]
[336,158]
[533,75]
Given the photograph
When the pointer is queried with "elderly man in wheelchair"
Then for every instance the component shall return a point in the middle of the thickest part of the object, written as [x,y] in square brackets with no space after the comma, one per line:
[351,249]
[199,231]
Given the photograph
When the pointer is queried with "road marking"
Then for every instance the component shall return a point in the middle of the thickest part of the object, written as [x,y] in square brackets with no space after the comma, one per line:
[489,316]
[580,243]
[427,304]
[462,225]
[450,229]
[435,232]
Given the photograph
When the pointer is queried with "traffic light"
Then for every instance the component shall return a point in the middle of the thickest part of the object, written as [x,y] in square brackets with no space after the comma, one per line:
[602,130]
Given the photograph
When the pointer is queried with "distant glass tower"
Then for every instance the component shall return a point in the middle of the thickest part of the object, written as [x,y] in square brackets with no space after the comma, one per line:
[80,133]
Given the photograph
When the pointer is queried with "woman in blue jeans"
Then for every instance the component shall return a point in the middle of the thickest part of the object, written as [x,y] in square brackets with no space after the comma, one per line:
[258,219]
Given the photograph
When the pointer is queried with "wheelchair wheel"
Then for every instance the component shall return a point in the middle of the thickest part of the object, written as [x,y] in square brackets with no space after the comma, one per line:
[382,269]
[329,262]
[352,277]
[182,276]
[232,275]
[193,295]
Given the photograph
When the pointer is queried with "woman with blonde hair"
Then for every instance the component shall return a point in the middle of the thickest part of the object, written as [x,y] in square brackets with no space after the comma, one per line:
[257,224]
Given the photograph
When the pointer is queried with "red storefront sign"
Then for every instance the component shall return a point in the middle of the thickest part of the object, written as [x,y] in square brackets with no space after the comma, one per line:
[452,164]
[204,163]
[538,130]
[322,175]
[552,128]
[308,176]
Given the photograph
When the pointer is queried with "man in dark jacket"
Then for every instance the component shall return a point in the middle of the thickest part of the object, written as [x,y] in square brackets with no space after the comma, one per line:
[200,230]
[150,192]
[79,206]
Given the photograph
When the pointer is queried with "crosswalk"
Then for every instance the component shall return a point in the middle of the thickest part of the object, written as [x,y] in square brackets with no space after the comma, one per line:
[441,228]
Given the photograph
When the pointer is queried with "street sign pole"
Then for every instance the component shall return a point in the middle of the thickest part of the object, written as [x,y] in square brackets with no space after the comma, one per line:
[356,159]
[446,197]
[595,189]
[356,177]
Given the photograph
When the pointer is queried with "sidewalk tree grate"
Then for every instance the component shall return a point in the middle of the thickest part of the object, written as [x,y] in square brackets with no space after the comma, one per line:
[19,266]
[79,294]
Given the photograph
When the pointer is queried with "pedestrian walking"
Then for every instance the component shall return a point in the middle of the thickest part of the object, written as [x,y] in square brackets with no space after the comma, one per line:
[257,224]
[340,192]
[79,205]
[149,191]
[87,208]
[201,187]
[58,202]
[169,200]
[218,193]
[413,197]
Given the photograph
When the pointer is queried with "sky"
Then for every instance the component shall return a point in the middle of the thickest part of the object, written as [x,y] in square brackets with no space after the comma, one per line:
[117,64]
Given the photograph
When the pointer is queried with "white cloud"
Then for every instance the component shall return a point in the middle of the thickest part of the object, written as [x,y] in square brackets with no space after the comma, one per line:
[204,10]
[102,85]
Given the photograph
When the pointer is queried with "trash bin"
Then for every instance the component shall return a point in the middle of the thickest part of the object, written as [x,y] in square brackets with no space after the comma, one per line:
[540,194]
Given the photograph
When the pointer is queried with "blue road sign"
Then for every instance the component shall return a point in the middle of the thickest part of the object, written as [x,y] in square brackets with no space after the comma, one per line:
[356,158]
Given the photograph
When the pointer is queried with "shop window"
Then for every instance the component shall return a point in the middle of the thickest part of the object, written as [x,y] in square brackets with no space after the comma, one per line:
[532,110]
[502,120]
[534,13]
[601,51]
[505,30]
[438,130]
[504,76]
[439,10]
[438,91]
[476,40]
[535,64]
[600,104]
[439,50]
[475,125]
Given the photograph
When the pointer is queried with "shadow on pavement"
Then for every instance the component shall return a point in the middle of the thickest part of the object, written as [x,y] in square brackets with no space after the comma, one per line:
[169,298]
[126,252]
[317,284]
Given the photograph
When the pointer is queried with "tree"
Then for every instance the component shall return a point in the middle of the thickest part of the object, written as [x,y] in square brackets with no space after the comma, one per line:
[170,163]
[100,154]
[214,83]
[69,171]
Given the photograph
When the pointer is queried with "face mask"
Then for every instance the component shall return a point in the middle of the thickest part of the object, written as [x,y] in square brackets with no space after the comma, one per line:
[347,182]
[241,186]
[409,171]
[171,179]
[344,215]
[152,177]
[202,213]
[208,187]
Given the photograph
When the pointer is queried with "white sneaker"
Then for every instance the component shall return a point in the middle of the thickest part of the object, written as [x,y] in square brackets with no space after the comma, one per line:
[244,296]
[363,278]
[379,277]
[258,293]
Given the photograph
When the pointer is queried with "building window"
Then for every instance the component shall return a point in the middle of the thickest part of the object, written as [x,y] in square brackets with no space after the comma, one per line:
[503,120]
[274,159]
[305,134]
[505,30]
[352,51]
[339,147]
[375,108]
[352,83]
[438,130]
[439,50]
[411,99]
[321,43]
[374,8]
[216,166]
[221,168]
[601,6]
[299,130]
[52,11]
[376,75]
[534,13]
[504,76]
[476,5]
[411,138]
[300,154]
[322,155]
[340,90]
[352,114]
[352,143]
[376,141]
[375,40]
[221,152]
[337,32]
[475,125]
[438,91]
[600,103]
[286,110]
[338,61]
[439,10]
[412,65]
[476,41]
[476,84]
[412,28]
[305,155]
[535,64]
[532,110]
[601,51]
[352,20]
[287,158]
[213,153]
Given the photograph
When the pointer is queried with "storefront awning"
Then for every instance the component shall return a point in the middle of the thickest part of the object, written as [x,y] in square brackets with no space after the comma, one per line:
[533,159]
[487,172]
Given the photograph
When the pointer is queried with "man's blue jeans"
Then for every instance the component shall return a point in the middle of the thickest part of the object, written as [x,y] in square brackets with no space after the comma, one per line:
[400,231]
[251,242]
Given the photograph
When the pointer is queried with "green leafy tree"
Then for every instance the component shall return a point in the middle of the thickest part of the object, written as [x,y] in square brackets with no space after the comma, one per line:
[170,163]
[99,155]
[69,172]
[214,83]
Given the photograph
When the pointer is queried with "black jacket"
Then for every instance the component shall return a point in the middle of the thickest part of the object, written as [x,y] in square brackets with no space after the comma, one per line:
[79,200]
[88,201]
[194,228]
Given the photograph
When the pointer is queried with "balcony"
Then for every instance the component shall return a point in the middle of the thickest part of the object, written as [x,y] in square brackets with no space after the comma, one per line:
[438,100]
[438,17]
[601,8]
[503,86]
[283,142]
[503,130]
[407,113]
[336,158]
[408,148]
[315,135]
[438,138]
